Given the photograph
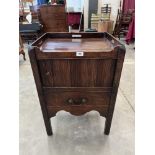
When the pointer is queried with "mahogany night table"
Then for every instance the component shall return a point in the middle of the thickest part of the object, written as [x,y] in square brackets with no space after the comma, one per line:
[77,72]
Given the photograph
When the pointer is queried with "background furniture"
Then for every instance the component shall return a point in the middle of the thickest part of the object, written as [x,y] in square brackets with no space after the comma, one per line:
[131,31]
[30,32]
[76,73]
[101,25]
[101,22]
[34,12]
[21,47]
[73,19]
[122,23]
[53,18]
[23,9]
[105,26]
[106,12]
[125,21]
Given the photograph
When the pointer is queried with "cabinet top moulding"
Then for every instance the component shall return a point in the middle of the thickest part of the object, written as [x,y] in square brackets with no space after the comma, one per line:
[66,45]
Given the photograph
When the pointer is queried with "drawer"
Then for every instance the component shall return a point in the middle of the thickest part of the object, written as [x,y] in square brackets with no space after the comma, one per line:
[77,98]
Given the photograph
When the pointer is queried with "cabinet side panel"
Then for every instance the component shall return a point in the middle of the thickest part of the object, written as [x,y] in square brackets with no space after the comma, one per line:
[105,72]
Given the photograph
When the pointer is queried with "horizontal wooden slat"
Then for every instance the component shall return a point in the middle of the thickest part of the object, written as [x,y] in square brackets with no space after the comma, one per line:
[72,55]
[77,110]
[82,89]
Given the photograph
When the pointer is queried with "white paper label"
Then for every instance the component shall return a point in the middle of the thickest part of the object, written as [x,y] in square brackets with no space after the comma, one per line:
[79,54]
[76,36]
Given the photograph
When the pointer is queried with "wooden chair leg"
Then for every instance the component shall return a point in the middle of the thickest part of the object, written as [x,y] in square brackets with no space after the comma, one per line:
[24,56]
[23,53]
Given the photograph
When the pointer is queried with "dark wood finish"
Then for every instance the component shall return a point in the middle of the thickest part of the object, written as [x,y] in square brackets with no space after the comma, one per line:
[76,98]
[36,75]
[53,18]
[77,84]
[121,54]
[88,73]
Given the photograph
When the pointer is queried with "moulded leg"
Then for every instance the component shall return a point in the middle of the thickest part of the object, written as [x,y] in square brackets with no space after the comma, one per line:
[107,126]
[48,127]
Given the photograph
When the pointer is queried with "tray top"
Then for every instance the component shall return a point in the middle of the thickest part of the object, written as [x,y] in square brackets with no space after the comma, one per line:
[63,42]
[76,44]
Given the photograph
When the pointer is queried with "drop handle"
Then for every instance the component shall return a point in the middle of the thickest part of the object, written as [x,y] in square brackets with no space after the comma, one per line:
[70,101]
[84,100]
[77,102]
[80,101]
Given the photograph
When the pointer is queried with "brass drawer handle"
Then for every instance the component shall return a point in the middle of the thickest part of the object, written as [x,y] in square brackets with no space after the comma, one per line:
[70,101]
[84,100]
[78,101]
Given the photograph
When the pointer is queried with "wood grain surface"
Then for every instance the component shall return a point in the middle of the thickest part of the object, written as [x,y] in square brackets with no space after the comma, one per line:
[77,84]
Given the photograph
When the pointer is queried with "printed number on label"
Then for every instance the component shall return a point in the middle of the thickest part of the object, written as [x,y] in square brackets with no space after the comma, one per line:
[79,54]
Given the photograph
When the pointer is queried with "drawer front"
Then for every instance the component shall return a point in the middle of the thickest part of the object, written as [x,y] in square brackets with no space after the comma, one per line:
[77,98]
[77,73]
